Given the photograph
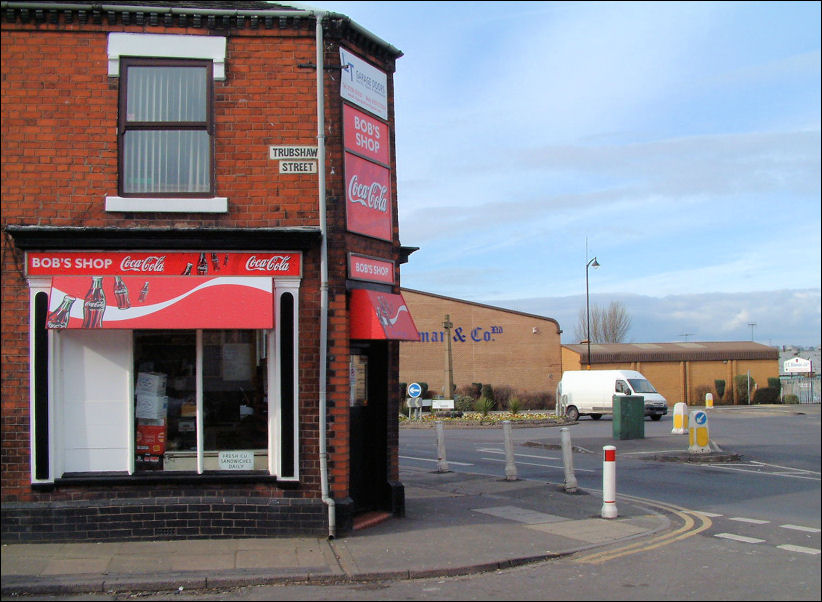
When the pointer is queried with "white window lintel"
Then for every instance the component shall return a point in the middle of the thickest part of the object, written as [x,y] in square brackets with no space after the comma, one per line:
[166,46]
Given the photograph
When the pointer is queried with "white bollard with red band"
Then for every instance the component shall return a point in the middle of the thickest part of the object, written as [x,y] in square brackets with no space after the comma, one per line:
[609,509]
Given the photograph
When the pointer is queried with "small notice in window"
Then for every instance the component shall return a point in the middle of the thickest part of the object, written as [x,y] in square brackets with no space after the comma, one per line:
[236,460]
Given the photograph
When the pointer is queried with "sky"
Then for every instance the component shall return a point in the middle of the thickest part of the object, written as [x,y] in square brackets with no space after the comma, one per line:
[678,143]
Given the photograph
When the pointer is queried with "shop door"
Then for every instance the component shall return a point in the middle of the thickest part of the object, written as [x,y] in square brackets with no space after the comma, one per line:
[369,400]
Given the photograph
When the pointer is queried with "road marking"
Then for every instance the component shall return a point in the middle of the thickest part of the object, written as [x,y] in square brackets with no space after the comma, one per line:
[800,528]
[803,550]
[536,464]
[741,538]
[759,468]
[688,529]
[711,514]
[753,521]
[491,450]
[433,460]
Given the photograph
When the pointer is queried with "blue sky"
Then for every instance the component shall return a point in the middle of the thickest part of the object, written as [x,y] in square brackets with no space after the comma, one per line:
[679,143]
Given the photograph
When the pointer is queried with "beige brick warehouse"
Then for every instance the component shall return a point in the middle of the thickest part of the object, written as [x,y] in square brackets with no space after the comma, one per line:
[490,345]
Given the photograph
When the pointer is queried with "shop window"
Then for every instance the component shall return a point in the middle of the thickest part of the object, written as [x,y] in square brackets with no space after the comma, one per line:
[166,128]
[226,428]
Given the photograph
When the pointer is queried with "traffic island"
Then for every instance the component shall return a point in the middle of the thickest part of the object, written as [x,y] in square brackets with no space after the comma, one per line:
[685,456]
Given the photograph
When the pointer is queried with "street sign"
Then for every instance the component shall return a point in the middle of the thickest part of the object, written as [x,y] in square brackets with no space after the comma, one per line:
[414,390]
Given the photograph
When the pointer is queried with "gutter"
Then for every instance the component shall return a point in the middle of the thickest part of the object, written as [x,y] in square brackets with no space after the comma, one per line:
[323,383]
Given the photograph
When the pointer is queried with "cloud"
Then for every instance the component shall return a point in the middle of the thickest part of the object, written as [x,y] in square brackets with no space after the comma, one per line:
[781,317]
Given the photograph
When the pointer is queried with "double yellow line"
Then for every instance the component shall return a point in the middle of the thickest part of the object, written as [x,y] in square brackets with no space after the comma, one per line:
[692,524]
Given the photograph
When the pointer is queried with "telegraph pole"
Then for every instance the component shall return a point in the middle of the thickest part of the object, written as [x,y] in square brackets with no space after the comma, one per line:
[449,363]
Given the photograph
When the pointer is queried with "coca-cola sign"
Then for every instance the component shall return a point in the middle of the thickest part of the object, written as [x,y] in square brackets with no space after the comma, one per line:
[151,264]
[368,198]
[275,263]
[176,263]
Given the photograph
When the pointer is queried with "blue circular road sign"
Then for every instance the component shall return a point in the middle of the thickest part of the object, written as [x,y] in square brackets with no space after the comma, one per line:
[414,390]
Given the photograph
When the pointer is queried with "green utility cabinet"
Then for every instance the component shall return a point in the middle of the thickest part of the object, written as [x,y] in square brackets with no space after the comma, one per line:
[629,417]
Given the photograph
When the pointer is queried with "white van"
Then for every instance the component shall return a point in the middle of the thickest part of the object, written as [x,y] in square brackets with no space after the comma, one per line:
[591,393]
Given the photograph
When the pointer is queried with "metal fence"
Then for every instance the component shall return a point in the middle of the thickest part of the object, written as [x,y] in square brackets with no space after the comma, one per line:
[805,389]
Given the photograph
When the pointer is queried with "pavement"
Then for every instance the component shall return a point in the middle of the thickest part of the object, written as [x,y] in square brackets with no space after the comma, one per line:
[455,523]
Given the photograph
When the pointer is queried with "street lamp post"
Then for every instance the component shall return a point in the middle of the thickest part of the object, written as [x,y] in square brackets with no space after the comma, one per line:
[593,263]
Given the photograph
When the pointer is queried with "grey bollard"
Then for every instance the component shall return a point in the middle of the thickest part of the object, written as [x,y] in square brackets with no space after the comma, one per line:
[568,461]
[510,466]
[442,463]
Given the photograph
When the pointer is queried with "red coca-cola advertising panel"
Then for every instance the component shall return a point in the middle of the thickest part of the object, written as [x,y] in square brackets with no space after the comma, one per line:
[368,198]
[371,269]
[378,315]
[162,263]
[167,302]
[366,136]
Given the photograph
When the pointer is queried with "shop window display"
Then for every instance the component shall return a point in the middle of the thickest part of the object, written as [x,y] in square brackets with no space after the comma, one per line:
[233,408]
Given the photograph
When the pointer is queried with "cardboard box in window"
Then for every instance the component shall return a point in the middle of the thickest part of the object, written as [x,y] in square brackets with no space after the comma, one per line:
[151,383]
[152,407]
[151,439]
[188,409]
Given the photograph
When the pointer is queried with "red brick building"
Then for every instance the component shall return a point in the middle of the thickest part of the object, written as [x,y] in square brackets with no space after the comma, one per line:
[201,306]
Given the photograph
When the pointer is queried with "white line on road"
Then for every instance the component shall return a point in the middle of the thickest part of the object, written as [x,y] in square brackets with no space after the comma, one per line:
[433,460]
[801,528]
[741,538]
[491,450]
[753,521]
[536,464]
[803,550]
[799,474]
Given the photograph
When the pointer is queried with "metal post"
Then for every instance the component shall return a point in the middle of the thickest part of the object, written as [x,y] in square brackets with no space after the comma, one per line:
[588,307]
[510,466]
[442,463]
[568,461]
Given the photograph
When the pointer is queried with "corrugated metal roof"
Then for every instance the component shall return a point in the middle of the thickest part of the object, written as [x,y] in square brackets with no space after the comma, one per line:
[670,352]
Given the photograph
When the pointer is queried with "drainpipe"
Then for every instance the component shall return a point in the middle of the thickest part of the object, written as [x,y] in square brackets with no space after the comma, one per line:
[323,383]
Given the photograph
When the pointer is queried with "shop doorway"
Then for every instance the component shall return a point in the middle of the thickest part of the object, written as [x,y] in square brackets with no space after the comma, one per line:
[368,481]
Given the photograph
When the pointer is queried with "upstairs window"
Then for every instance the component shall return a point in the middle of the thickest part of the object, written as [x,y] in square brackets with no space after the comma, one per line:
[166,128]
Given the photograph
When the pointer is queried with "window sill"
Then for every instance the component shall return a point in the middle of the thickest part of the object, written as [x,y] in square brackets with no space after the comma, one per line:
[153,478]
[167,204]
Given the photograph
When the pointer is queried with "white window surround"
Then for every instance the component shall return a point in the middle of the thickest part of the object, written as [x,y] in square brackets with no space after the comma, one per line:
[166,46]
[167,205]
[56,390]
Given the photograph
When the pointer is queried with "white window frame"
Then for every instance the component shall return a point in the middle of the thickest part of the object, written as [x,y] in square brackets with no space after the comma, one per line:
[166,46]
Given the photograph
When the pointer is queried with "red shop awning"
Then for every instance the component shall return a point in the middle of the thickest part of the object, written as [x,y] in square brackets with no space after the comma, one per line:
[167,302]
[377,315]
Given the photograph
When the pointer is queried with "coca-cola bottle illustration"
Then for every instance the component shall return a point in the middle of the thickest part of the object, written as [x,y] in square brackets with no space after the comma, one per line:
[143,293]
[202,265]
[59,318]
[187,271]
[121,293]
[95,304]
[215,262]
